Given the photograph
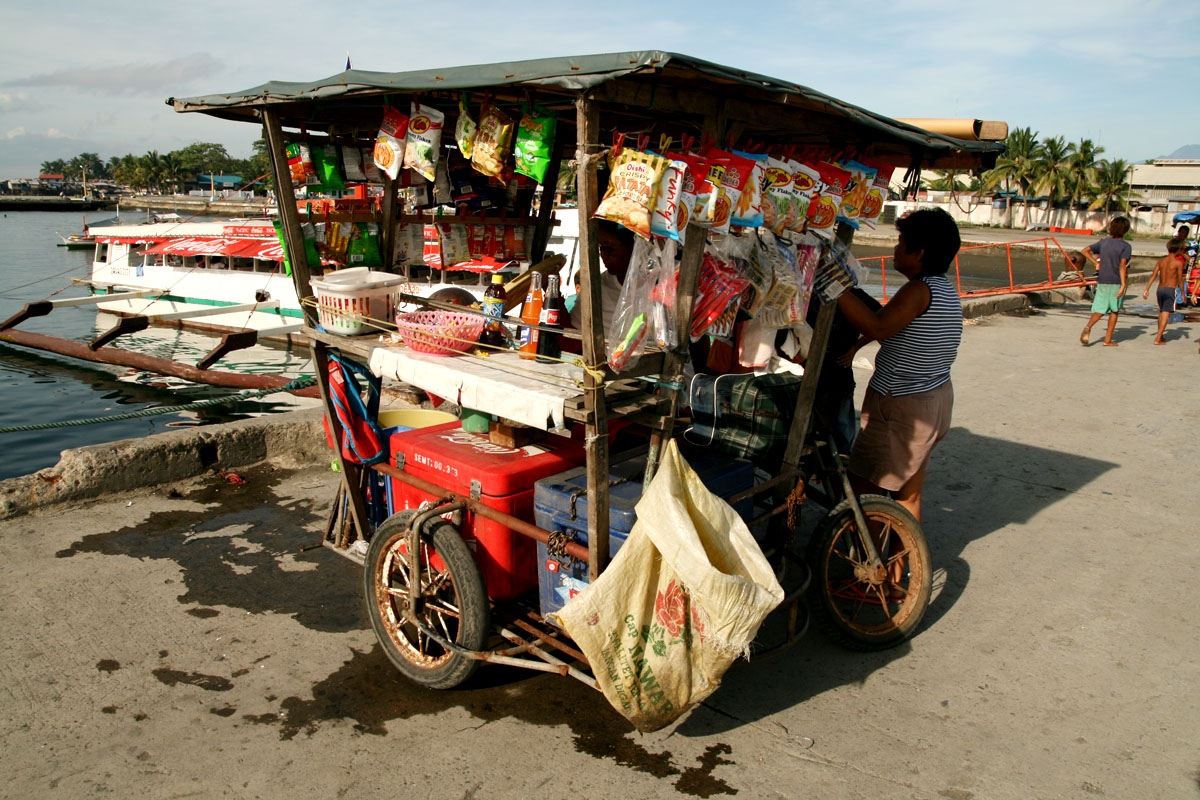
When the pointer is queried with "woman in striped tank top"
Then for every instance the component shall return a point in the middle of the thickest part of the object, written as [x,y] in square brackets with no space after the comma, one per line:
[908,402]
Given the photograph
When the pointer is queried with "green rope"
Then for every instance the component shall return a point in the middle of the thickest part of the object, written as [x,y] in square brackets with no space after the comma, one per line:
[299,383]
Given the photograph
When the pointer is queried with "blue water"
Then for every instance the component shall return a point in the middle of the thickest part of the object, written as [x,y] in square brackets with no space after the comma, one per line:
[38,387]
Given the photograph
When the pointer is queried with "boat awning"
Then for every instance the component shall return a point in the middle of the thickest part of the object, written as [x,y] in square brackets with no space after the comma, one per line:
[125,240]
[223,246]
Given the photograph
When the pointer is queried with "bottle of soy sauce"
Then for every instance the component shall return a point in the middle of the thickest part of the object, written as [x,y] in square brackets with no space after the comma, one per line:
[548,345]
[493,308]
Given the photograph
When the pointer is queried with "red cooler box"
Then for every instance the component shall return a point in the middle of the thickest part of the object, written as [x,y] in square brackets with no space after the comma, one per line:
[452,458]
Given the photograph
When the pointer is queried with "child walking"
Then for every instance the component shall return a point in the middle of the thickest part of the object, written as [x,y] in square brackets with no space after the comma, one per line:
[1111,257]
[1169,271]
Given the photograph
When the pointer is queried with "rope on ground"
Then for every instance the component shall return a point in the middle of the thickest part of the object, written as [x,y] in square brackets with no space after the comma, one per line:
[299,383]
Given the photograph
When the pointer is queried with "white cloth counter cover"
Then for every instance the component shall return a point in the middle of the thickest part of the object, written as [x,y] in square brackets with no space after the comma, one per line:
[503,384]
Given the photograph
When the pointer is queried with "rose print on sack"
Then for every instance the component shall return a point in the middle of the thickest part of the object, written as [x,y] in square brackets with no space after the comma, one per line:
[670,609]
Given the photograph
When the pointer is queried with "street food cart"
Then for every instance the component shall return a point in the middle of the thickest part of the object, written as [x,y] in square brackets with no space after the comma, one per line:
[438,609]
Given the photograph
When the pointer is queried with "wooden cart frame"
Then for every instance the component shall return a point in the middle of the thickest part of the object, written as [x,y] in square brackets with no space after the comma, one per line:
[593,96]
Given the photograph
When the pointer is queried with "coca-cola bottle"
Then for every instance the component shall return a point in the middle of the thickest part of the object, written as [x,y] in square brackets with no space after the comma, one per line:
[548,346]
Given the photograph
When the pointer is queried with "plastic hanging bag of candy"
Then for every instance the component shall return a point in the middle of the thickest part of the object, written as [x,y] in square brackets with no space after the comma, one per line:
[662,312]
[827,200]
[388,155]
[807,254]
[632,190]
[465,129]
[721,283]
[424,140]
[300,164]
[749,209]
[535,139]
[492,143]
[760,273]
[855,194]
[669,205]
[632,318]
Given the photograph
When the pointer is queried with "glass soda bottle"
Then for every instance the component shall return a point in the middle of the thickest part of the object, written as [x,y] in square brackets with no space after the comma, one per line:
[553,310]
[531,312]
[493,310]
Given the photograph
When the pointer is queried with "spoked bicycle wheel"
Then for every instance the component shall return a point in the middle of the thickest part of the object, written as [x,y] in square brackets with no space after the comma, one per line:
[450,596]
[867,608]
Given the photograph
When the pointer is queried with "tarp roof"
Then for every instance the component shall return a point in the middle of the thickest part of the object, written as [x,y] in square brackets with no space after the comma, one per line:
[656,83]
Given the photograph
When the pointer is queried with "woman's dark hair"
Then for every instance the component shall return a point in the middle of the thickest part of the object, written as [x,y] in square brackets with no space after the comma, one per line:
[935,232]
[620,231]
[1118,227]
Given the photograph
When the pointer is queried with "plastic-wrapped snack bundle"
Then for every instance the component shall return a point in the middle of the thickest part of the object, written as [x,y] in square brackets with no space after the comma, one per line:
[836,272]
[631,318]
[722,281]
[663,319]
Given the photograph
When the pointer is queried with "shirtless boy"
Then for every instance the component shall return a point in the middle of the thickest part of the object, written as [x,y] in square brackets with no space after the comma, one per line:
[1169,271]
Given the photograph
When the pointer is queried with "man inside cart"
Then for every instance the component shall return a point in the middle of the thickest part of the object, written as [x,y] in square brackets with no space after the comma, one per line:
[616,248]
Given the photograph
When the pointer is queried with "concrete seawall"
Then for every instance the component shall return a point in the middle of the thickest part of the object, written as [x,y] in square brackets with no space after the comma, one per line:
[290,441]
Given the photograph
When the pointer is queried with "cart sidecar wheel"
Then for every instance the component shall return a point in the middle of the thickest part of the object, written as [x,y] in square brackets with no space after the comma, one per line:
[453,602]
[858,608]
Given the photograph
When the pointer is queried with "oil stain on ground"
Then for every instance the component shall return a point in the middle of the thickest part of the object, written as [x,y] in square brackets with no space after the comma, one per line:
[368,690]
[243,570]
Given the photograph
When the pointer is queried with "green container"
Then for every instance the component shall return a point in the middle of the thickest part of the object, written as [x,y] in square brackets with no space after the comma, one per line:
[475,421]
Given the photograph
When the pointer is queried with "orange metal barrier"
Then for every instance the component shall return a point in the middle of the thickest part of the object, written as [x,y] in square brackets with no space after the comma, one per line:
[1012,287]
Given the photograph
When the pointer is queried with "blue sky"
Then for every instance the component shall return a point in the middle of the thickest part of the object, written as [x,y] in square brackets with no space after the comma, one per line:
[80,77]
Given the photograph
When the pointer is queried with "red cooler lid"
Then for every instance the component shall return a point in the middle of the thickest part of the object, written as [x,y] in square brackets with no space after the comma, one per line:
[452,458]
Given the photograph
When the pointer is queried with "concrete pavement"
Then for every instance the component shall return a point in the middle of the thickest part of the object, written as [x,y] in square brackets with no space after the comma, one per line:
[181,642]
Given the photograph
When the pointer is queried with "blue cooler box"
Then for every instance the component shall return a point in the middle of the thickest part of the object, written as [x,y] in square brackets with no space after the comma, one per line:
[559,581]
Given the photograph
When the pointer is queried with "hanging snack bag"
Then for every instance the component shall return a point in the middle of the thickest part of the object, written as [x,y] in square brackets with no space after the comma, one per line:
[300,164]
[872,207]
[779,204]
[631,320]
[827,199]
[535,138]
[805,181]
[363,249]
[632,190]
[389,142]
[455,247]
[749,210]
[760,272]
[733,173]
[424,140]
[492,142]
[327,159]
[352,166]
[366,158]
[807,255]
[861,177]
[700,188]
[410,242]
[464,131]
[721,283]
[670,218]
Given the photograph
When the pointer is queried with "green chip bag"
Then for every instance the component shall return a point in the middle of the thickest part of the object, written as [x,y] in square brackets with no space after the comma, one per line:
[535,139]
[328,162]
[363,250]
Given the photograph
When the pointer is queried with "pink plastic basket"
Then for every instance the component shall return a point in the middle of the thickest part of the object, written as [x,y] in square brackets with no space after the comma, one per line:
[439,333]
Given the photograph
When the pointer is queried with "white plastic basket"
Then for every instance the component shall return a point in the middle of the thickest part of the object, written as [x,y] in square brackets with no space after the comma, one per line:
[348,297]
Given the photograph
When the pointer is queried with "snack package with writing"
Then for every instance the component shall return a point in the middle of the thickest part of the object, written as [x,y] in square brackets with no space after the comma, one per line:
[409,243]
[855,192]
[352,166]
[535,139]
[733,174]
[300,164]
[779,203]
[492,143]
[805,181]
[465,129]
[371,173]
[808,254]
[749,210]
[760,273]
[327,160]
[668,206]
[827,199]
[872,207]
[722,281]
[697,185]
[389,142]
[424,140]
[363,250]
[632,190]
[333,239]
[455,247]
[836,271]
[784,284]
[431,246]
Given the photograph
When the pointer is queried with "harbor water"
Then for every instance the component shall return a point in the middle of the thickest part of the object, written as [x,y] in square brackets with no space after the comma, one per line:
[39,388]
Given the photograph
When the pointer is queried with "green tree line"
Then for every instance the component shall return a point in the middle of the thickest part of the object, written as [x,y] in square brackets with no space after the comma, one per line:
[1068,173]
[164,171]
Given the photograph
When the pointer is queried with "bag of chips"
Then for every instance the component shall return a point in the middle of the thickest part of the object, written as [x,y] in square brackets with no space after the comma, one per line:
[363,249]
[389,142]
[748,212]
[632,190]
[872,207]
[827,199]
[464,130]
[327,159]
[701,190]
[492,143]
[733,174]
[410,243]
[670,218]
[779,201]
[804,186]
[300,164]
[861,177]
[352,166]
[424,140]
[365,157]
[535,139]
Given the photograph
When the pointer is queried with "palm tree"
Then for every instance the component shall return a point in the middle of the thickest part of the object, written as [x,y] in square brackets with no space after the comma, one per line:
[1053,172]
[1084,158]
[1017,166]
[954,180]
[172,170]
[1112,186]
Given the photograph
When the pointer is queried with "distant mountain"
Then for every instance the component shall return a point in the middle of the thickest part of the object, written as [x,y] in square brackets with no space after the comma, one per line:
[1187,151]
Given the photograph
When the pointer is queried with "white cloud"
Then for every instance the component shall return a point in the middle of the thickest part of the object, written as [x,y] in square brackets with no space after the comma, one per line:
[15,132]
[134,78]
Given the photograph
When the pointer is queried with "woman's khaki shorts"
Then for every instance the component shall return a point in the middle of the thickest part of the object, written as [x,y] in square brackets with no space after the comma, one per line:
[898,434]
